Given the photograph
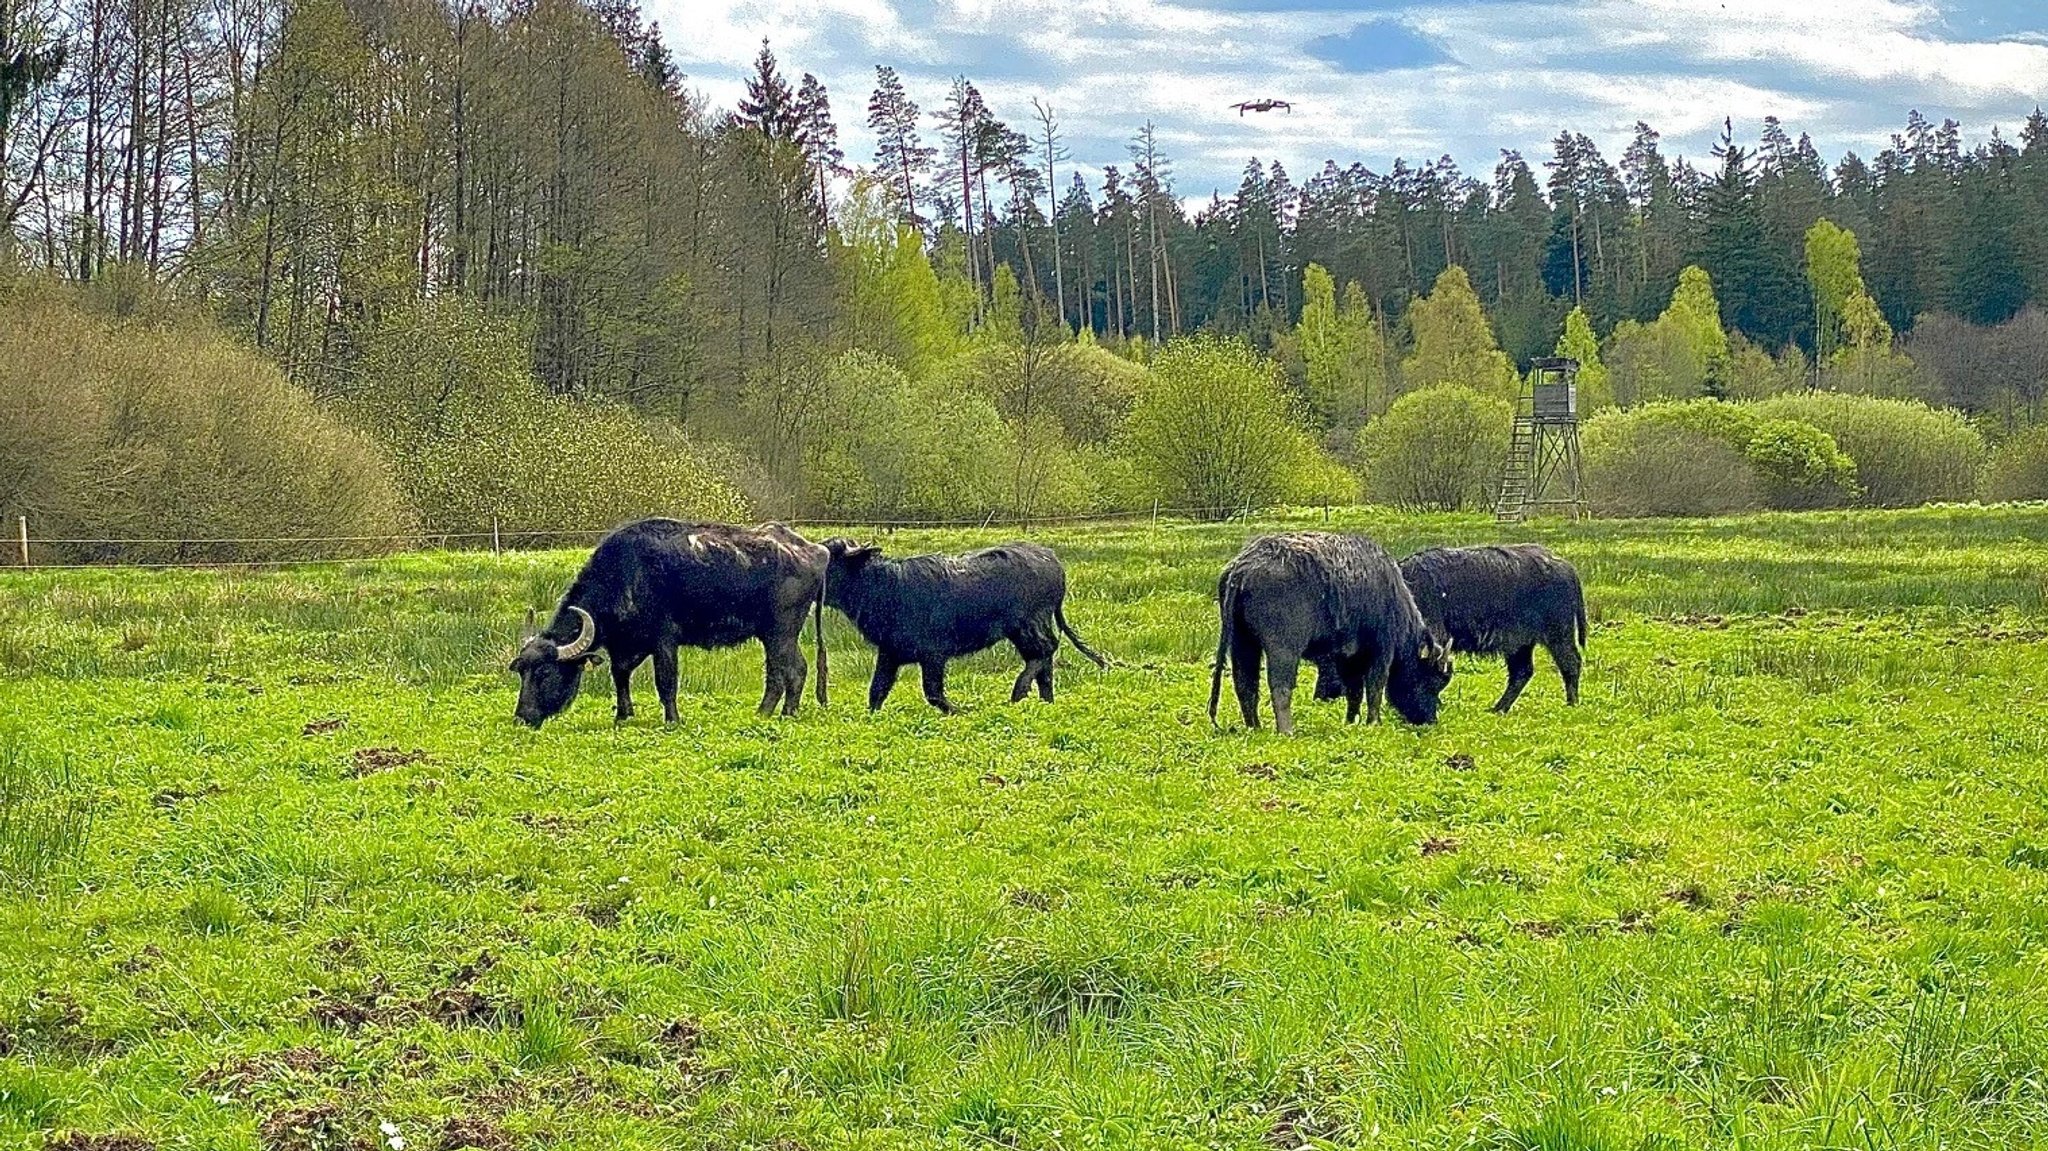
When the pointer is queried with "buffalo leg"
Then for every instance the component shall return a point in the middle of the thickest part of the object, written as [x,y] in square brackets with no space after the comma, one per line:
[1282,669]
[1521,665]
[622,683]
[1565,654]
[790,654]
[1244,675]
[771,676]
[935,685]
[1035,649]
[885,678]
[1331,682]
[665,679]
[1374,682]
[1353,685]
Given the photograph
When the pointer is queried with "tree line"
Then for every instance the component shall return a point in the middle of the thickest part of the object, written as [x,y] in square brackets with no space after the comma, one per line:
[370,191]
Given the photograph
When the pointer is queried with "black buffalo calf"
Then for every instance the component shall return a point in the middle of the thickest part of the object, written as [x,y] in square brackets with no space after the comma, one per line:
[1501,600]
[927,610]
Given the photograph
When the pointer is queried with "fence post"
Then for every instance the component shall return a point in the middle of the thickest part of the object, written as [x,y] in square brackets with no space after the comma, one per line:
[24,541]
[494,535]
[1155,515]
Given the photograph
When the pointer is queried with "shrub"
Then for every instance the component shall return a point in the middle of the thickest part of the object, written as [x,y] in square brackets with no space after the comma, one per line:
[1638,464]
[883,446]
[472,438]
[1799,466]
[124,429]
[1906,453]
[2019,468]
[1439,449]
[1212,430]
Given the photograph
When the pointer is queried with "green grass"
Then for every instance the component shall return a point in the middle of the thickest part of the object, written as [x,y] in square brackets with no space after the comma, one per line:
[281,869]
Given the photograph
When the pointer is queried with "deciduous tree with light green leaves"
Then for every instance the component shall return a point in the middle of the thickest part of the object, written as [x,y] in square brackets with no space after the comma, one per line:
[1845,317]
[1453,343]
[895,305]
[1681,355]
[1341,352]
[1213,431]
[1579,343]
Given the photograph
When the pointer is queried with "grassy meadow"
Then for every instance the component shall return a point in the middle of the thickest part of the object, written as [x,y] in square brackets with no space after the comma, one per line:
[278,870]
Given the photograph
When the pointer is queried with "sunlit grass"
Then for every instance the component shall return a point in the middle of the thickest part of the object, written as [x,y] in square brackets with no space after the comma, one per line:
[1781,880]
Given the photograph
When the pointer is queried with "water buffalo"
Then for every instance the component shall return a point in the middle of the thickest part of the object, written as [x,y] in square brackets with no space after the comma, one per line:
[929,609]
[659,584]
[1330,598]
[1501,600]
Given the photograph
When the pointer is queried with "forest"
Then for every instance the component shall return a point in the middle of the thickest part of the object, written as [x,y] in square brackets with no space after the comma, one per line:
[498,266]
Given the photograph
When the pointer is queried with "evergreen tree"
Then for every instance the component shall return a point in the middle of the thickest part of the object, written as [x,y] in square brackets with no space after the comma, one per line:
[818,136]
[900,152]
[770,107]
[1757,281]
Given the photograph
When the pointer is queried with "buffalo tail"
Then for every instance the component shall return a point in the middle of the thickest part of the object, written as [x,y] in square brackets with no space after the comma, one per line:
[1059,615]
[818,636]
[1226,598]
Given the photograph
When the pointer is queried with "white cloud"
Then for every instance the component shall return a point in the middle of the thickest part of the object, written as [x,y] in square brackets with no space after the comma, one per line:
[1844,70]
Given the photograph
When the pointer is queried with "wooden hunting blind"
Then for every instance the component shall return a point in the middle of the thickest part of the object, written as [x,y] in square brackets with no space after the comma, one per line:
[1543,468]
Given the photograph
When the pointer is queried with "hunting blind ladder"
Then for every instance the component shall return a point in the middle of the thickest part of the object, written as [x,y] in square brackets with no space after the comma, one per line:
[1543,467]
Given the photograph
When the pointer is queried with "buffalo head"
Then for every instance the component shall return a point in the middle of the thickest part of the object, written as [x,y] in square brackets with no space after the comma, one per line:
[550,672]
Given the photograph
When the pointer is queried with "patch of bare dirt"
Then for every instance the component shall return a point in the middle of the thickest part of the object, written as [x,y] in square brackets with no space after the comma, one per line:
[1259,770]
[1439,845]
[460,1004]
[171,797]
[349,1010]
[470,1133]
[324,726]
[1035,900]
[1634,922]
[1295,1124]
[371,760]
[103,1141]
[239,1077]
[1459,761]
[1690,895]
[1538,929]
[320,1127]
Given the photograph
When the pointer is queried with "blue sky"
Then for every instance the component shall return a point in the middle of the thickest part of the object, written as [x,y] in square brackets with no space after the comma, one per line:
[1374,79]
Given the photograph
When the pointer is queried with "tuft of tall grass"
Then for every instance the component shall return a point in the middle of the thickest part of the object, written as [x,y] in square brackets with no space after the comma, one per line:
[45,819]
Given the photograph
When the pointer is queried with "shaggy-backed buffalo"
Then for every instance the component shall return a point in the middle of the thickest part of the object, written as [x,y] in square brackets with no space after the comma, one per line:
[929,609]
[659,584]
[1329,598]
[1499,600]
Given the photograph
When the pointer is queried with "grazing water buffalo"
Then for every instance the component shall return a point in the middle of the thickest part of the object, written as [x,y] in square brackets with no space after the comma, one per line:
[929,609]
[1330,598]
[1502,600]
[659,584]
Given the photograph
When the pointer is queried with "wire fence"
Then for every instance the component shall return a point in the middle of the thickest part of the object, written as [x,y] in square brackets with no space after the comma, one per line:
[31,551]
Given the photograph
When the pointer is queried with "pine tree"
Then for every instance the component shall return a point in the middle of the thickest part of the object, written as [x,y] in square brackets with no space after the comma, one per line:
[769,107]
[900,152]
[818,136]
[1757,280]
[964,122]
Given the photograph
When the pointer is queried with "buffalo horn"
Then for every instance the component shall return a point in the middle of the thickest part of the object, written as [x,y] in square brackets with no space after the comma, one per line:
[576,647]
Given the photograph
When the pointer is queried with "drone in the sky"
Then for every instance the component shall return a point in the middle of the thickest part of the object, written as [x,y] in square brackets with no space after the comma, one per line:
[1264,104]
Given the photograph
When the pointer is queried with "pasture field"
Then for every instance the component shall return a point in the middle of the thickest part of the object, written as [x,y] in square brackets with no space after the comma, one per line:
[278,870]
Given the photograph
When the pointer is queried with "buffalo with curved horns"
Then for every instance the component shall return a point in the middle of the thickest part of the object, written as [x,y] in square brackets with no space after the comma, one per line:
[659,584]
